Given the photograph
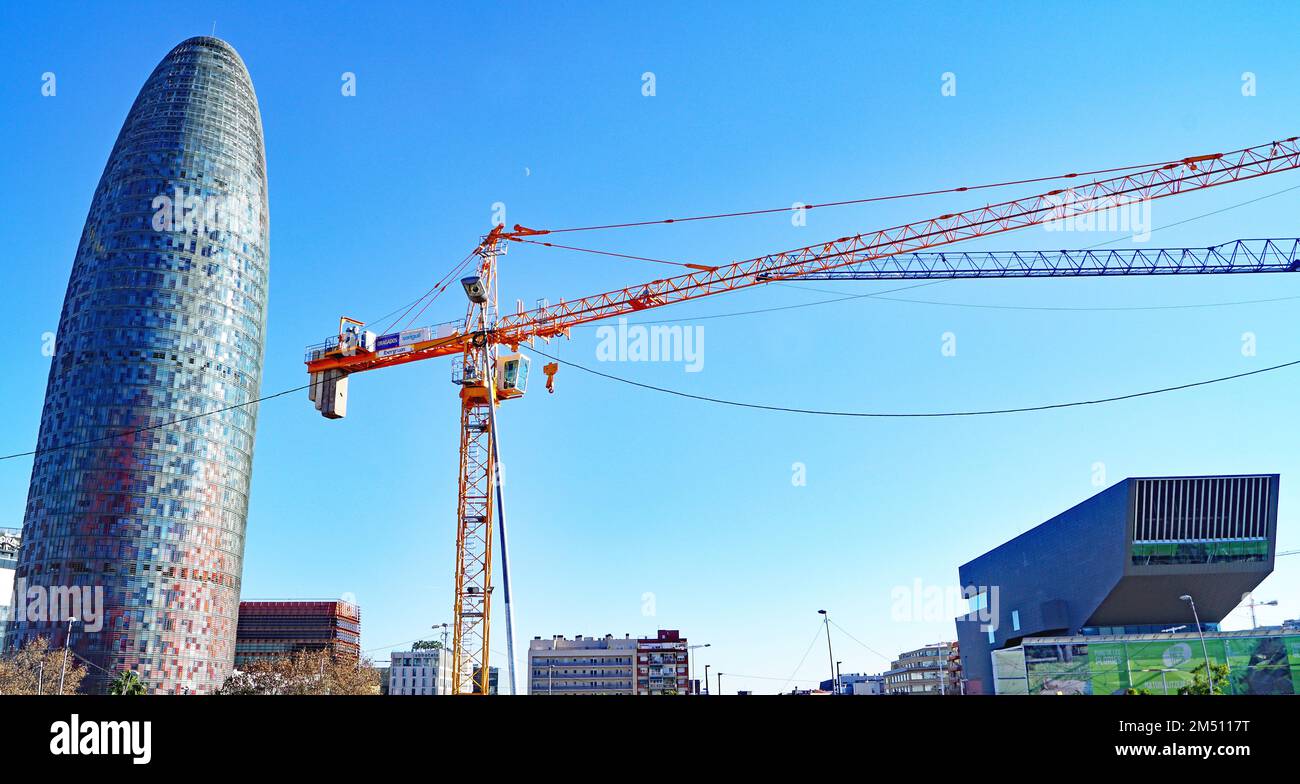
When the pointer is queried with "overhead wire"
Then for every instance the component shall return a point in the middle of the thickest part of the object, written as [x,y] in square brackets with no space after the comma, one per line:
[703,398]
[860,642]
[804,658]
[160,425]
[910,414]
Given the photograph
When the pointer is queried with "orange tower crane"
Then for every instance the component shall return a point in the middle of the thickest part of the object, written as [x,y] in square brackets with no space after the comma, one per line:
[486,376]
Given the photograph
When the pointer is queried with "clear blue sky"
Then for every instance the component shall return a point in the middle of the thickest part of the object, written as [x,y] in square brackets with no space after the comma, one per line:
[613,492]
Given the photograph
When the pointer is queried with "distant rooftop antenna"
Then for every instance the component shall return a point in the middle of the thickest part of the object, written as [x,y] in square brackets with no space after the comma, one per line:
[214,28]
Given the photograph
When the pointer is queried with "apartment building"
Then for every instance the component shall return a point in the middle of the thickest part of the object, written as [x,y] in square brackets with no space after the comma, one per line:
[610,665]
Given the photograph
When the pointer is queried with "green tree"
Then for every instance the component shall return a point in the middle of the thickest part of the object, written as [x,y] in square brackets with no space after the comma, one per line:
[1200,685]
[128,683]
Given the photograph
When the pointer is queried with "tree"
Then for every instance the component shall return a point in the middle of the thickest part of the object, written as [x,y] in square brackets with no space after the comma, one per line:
[1135,690]
[1200,685]
[128,683]
[305,673]
[35,669]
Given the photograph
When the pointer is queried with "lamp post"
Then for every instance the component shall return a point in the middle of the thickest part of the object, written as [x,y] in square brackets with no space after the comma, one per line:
[826,617]
[1209,672]
[690,665]
[838,680]
[67,643]
[719,683]
[707,690]
[444,627]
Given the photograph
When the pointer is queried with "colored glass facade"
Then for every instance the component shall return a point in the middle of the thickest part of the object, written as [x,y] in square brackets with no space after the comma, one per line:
[273,630]
[1258,663]
[1119,563]
[164,318]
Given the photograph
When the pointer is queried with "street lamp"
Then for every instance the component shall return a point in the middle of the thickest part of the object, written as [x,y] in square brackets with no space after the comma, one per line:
[1209,673]
[690,652]
[838,680]
[707,690]
[67,643]
[444,627]
[830,653]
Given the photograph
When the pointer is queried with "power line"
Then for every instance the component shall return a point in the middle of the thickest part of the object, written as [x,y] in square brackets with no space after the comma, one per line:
[914,414]
[1203,215]
[394,645]
[860,642]
[707,399]
[158,426]
[797,667]
[802,680]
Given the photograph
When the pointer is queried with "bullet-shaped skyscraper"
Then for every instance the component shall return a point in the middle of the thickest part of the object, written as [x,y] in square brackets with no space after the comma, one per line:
[163,320]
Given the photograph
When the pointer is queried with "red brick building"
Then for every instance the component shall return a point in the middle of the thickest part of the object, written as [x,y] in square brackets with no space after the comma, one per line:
[662,664]
[271,630]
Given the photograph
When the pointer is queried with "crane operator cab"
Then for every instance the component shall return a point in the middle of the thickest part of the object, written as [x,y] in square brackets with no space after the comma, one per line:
[512,376]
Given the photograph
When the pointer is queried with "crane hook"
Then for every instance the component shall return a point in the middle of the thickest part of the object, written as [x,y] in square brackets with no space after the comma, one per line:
[550,369]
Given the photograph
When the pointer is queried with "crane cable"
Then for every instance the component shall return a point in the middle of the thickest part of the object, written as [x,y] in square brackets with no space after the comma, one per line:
[437,290]
[712,268]
[914,414]
[865,200]
[787,284]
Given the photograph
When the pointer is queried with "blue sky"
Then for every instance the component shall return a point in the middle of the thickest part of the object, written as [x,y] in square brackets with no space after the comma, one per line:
[623,501]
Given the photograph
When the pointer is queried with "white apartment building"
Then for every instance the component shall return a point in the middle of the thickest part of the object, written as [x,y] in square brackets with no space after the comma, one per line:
[10,539]
[422,671]
[583,665]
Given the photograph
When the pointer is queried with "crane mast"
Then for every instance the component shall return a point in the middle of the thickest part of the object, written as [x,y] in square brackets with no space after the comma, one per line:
[478,476]
[485,377]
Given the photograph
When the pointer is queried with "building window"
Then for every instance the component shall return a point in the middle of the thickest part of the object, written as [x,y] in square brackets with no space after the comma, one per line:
[1015,620]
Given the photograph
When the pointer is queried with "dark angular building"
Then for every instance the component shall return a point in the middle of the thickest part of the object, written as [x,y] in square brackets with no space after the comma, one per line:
[164,319]
[1118,563]
[274,630]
